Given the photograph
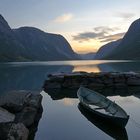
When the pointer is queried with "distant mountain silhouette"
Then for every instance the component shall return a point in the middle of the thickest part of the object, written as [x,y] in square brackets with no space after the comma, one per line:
[32,44]
[107,49]
[88,56]
[128,48]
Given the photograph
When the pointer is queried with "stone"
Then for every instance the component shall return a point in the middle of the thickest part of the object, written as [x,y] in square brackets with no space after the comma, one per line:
[18,132]
[133,81]
[119,79]
[14,101]
[13,131]
[18,110]
[118,85]
[92,85]
[34,101]
[107,79]
[4,130]
[52,85]
[6,116]
[27,116]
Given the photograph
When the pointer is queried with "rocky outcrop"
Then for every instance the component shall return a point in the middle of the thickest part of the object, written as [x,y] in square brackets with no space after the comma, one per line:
[20,112]
[92,80]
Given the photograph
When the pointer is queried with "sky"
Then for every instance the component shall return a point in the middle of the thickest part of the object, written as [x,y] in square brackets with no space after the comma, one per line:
[86,24]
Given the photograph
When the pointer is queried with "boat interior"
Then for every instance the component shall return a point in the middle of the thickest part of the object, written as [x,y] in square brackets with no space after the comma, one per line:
[99,103]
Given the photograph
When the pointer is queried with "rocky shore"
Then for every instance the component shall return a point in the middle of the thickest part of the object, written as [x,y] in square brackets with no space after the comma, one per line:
[20,112]
[92,80]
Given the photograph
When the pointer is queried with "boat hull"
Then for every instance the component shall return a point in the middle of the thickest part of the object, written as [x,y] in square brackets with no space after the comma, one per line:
[120,122]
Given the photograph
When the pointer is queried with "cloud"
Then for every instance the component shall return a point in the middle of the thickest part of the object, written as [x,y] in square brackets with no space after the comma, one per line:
[102,33]
[63,18]
[113,37]
[87,36]
[104,29]
[125,16]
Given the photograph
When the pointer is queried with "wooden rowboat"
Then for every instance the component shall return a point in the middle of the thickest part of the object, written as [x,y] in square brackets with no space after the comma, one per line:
[102,106]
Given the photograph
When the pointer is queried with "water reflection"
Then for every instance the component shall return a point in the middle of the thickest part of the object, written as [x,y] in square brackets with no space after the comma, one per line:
[68,102]
[121,66]
[61,118]
[113,131]
[59,94]
[26,77]
[87,68]
[31,75]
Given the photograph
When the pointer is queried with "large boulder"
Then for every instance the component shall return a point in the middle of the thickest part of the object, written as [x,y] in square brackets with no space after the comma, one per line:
[19,111]
[6,116]
[13,131]
[14,101]
[27,116]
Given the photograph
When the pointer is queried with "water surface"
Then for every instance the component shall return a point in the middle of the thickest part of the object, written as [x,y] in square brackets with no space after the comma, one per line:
[62,117]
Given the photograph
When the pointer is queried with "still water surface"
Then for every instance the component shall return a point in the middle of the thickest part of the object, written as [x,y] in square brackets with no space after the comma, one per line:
[62,117]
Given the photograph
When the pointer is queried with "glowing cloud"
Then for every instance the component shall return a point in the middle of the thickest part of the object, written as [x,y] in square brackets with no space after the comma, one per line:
[113,37]
[125,16]
[64,18]
[103,34]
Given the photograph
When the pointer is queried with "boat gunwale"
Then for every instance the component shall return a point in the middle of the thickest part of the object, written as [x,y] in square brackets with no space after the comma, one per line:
[96,111]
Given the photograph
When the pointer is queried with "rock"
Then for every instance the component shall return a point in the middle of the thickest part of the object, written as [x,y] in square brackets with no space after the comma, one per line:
[18,132]
[34,101]
[14,101]
[106,79]
[92,85]
[120,85]
[52,85]
[119,79]
[13,131]
[6,116]
[4,130]
[27,116]
[21,109]
[133,81]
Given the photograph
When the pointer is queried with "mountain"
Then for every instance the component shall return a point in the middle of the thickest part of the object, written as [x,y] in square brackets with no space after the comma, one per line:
[105,50]
[129,47]
[10,48]
[87,56]
[32,44]
[44,46]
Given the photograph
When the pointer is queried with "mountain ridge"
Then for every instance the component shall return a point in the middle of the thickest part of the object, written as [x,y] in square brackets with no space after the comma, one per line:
[129,47]
[32,44]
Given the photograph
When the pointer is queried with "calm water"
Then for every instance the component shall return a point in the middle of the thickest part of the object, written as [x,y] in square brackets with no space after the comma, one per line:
[63,118]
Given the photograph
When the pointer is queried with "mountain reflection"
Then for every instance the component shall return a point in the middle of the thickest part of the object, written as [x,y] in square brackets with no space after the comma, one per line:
[120,66]
[31,75]
[26,77]
[113,131]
